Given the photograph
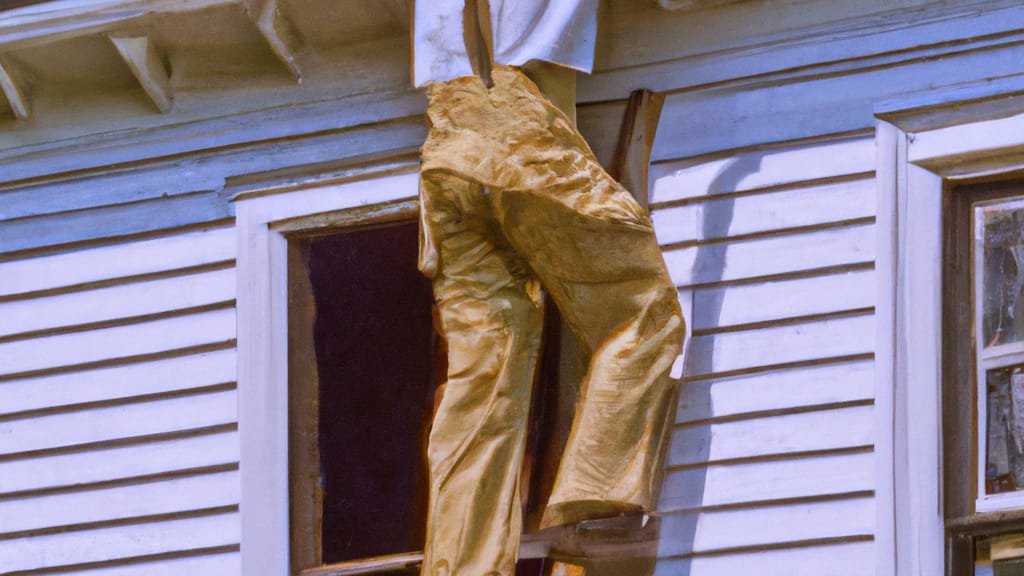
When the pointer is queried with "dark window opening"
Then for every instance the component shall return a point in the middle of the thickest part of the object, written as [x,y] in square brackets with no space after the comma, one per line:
[373,336]
[365,364]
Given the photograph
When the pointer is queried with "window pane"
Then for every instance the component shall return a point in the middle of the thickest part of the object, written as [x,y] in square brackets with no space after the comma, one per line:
[1004,468]
[374,349]
[999,555]
[1000,232]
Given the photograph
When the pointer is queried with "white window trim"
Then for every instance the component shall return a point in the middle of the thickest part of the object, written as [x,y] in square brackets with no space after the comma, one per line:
[914,166]
[263,344]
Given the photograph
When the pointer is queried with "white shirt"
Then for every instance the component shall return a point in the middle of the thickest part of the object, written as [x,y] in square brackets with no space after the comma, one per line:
[558,31]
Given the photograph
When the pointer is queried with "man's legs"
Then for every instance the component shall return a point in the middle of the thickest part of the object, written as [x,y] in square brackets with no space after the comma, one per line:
[609,282]
[493,328]
[595,251]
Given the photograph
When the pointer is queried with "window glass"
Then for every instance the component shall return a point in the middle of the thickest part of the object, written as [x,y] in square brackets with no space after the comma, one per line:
[1001,227]
[1004,469]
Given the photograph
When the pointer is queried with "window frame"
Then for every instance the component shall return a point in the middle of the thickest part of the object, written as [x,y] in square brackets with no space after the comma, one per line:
[927,143]
[267,215]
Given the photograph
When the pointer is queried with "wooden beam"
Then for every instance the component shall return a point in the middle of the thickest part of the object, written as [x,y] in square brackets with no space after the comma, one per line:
[376,565]
[278,32]
[49,22]
[145,63]
[15,96]
[636,137]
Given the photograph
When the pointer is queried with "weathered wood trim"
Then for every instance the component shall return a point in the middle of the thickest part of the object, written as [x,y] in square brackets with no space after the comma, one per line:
[53,21]
[897,36]
[306,492]
[278,33]
[146,64]
[54,232]
[14,94]
[636,137]
[378,565]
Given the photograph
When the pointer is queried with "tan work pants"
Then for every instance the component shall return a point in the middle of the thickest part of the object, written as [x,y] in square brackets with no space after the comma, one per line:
[512,197]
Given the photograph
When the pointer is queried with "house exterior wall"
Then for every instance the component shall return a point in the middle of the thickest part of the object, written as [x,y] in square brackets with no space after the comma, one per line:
[119,440]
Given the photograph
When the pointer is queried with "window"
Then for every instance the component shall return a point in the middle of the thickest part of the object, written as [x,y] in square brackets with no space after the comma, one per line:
[362,380]
[984,379]
[364,368]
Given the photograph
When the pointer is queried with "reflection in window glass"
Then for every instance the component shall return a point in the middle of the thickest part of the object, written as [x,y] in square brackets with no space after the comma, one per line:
[1002,230]
[999,555]
[1004,469]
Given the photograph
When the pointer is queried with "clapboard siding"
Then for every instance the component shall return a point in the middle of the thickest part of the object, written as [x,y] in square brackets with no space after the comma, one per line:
[781,299]
[751,171]
[803,342]
[765,212]
[765,525]
[119,449]
[776,390]
[107,189]
[225,563]
[199,492]
[57,230]
[125,341]
[118,382]
[116,262]
[147,460]
[215,531]
[772,453]
[747,259]
[765,481]
[772,436]
[200,410]
[845,559]
[117,302]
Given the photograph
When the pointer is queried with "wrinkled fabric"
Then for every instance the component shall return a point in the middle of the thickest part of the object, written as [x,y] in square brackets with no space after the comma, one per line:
[561,32]
[513,198]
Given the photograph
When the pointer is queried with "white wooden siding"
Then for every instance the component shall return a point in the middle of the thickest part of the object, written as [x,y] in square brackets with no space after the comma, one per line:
[119,447]
[771,464]
[848,559]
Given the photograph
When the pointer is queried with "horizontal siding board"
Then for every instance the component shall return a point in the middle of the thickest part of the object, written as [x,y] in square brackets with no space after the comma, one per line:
[113,221]
[258,141]
[775,255]
[697,532]
[117,422]
[112,543]
[732,43]
[104,465]
[781,299]
[729,351]
[117,261]
[776,390]
[118,342]
[199,492]
[676,180]
[735,216]
[116,302]
[108,189]
[737,484]
[810,104]
[833,429]
[226,564]
[733,29]
[112,383]
[846,559]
